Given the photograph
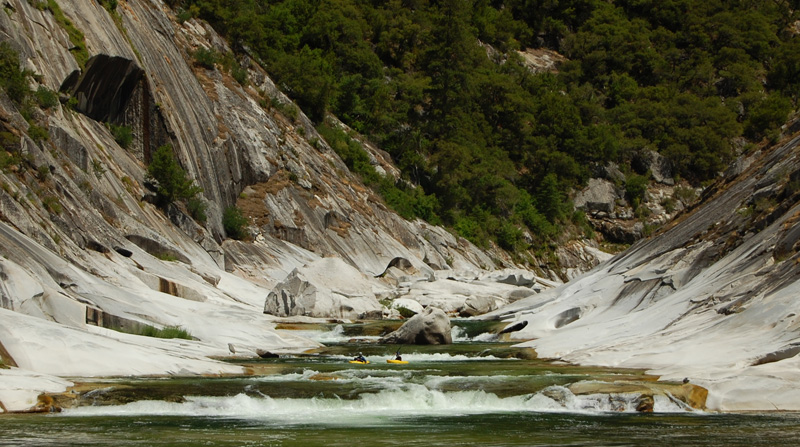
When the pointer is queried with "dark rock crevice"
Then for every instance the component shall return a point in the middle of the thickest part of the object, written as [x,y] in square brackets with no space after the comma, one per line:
[113,89]
[105,87]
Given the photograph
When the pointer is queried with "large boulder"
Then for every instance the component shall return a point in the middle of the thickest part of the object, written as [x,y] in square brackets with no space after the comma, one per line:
[326,288]
[430,327]
[599,195]
[479,305]
[651,161]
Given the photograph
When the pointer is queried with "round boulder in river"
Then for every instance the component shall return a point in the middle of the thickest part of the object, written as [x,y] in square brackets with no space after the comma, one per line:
[429,327]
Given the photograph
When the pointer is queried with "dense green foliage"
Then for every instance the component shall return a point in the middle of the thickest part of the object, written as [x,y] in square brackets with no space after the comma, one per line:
[123,135]
[13,80]
[172,183]
[491,148]
[165,332]
[234,223]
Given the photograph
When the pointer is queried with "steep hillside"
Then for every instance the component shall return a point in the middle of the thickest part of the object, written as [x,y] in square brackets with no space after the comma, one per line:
[712,298]
[89,249]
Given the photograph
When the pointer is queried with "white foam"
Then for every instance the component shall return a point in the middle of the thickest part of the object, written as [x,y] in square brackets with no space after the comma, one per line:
[415,357]
[459,335]
[371,408]
[335,335]
[383,377]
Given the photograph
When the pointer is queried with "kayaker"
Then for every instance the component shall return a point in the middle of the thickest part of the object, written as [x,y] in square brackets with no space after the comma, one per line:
[360,358]
[397,356]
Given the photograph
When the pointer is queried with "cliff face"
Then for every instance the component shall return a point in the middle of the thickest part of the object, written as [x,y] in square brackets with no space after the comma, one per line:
[712,297]
[141,74]
[83,250]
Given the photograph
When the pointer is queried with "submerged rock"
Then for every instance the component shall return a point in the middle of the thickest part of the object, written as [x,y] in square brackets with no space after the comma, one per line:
[431,327]
[684,394]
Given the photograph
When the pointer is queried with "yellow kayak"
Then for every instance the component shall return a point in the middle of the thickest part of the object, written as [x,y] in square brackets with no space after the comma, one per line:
[401,362]
[359,362]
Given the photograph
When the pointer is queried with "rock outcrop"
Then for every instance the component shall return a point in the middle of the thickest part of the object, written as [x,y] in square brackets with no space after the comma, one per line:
[599,195]
[327,288]
[83,252]
[430,327]
[712,296]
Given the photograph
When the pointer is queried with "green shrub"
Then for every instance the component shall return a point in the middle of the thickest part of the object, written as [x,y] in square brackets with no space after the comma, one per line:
[240,75]
[509,236]
[122,135]
[12,79]
[9,141]
[7,159]
[686,195]
[206,57]
[76,37]
[51,204]
[166,332]
[41,5]
[38,133]
[669,204]
[184,15]
[173,184]
[46,98]
[197,209]
[110,5]
[405,312]
[43,172]
[635,188]
[234,223]
[72,103]
[471,230]
[289,110]
[98,168]
[579,218]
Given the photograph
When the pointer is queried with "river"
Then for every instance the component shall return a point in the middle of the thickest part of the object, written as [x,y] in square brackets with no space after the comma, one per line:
[467,394]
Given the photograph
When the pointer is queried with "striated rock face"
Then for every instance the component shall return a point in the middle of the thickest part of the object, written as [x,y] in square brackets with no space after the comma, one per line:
[105,87]
[328,288]
[82,253]
[712,297]
[430,327]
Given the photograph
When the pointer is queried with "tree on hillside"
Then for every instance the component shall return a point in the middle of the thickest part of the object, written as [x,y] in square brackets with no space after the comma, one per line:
[171,181]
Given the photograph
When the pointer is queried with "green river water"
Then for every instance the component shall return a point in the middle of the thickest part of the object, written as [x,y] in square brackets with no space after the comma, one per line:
[466,394]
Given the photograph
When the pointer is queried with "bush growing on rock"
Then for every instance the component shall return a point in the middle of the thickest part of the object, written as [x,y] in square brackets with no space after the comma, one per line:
[171,179]
[122,135]
[197,209]
[151,331]
[46,98]
[206,58]
[12,79]
[234,223]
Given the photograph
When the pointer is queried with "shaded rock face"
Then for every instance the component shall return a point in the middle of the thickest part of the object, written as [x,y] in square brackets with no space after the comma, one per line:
[114,89]
[105,88]
[651,161]
[431,327]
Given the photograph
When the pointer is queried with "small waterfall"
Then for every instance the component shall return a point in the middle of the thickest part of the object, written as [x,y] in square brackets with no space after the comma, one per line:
[398,400]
